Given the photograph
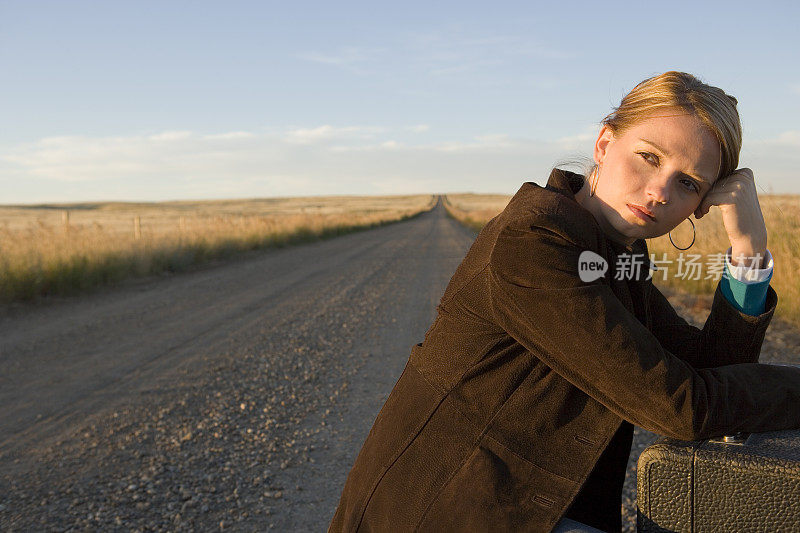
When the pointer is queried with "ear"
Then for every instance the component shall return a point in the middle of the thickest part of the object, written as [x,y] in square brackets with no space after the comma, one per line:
[604,138]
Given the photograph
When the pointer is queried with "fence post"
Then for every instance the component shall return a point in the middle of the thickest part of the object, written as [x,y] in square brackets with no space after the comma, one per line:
[65,220]
[137,228]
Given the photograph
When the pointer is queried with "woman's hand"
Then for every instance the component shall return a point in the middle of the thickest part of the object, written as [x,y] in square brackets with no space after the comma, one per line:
[736,197]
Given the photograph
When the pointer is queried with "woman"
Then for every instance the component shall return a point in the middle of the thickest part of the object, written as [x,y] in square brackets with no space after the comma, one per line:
[516,413]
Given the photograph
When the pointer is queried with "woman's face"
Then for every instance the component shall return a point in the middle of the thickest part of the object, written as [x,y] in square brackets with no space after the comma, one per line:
[664,164]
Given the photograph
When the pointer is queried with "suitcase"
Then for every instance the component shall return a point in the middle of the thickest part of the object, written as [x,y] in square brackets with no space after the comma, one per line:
[746,482]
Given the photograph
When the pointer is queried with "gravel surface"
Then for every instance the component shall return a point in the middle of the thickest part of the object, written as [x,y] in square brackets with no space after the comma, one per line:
[233,397]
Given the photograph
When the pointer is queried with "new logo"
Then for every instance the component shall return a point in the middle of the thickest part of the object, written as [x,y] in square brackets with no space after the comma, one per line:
[591,266]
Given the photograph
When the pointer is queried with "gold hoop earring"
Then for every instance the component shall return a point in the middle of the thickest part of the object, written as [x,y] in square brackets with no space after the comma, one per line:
[694,234]
[594,181]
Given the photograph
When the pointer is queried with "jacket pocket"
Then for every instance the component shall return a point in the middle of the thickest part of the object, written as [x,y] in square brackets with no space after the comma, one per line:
[495,489]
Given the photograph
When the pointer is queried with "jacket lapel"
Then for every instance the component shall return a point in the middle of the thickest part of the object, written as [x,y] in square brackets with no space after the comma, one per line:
[629,266]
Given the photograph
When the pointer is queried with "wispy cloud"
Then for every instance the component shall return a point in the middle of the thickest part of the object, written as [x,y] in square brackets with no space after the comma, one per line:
[462,66]
[419,128]
[352,58]
[328,132]
[229,136]
[171,136]
[455,50]
[455,42]
[581,140]
[345,55]
[452,51]
[324,159]
[789,138]
[481,143]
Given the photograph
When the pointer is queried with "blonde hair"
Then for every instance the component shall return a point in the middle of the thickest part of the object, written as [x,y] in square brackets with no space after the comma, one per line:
[711,105]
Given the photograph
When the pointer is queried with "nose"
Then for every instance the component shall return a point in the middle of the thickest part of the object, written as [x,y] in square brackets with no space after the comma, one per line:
[658,190]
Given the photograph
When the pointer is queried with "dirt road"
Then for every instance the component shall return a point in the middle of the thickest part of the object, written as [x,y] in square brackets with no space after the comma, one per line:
[233,397]
[244,389]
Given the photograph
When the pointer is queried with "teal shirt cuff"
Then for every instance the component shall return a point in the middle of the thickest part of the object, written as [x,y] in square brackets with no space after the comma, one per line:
[749,298]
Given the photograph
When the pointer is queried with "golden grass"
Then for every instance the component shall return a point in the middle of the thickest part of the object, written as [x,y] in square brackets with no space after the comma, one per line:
[781,214]
[67,248]
[475,210]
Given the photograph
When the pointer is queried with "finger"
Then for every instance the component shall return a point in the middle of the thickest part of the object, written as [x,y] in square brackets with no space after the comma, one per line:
[725,190]
[711,198]
[721,190]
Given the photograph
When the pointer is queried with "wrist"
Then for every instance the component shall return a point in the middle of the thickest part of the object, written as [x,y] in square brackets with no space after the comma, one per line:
[748,256]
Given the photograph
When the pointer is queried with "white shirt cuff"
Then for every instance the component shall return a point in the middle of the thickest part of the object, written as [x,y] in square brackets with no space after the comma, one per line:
[745,273]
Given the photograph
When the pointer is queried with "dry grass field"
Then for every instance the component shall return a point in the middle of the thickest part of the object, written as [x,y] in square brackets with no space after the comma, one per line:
[693,270]
[475,210]
[65,248]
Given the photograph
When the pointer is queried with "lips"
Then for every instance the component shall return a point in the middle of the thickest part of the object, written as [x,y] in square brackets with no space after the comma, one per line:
[641,211]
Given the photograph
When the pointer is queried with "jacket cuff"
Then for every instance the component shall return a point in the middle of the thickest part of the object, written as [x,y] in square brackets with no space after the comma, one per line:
[726,310]
[744,333]
[749,297]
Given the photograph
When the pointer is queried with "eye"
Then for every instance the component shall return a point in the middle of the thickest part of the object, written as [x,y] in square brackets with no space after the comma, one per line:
[690,184]
[650,158]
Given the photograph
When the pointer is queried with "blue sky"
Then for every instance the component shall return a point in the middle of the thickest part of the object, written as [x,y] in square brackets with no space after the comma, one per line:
[166,100]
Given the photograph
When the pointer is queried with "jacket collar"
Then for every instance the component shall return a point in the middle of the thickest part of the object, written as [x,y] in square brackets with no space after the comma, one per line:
[568,184]
[565,182]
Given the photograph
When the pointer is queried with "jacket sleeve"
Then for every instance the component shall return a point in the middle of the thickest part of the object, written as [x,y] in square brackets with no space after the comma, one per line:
[583,332]
[728,336]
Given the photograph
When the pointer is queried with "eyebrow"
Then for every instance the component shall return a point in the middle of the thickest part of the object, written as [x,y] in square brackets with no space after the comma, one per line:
[657,147]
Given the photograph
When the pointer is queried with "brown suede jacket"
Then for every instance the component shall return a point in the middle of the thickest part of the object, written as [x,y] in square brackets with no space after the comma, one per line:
[517,409]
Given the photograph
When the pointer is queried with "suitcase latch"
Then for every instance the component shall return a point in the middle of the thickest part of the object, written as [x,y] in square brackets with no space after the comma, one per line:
[735,438]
